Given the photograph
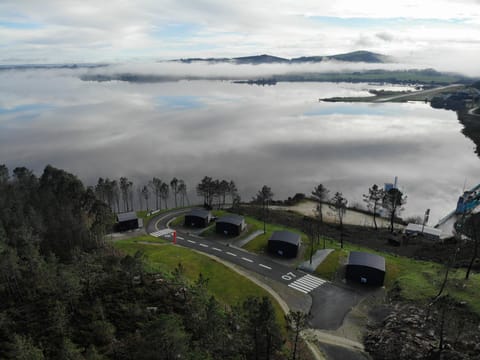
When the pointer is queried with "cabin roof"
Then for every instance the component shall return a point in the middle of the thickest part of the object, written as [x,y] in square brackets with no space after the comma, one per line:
[126,216]
[197,212]
[286,236]
[231,219]
[366,259]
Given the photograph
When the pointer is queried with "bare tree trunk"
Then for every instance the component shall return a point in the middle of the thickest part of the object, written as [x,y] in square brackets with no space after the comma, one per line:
[444,283]
[341,233]
[475,253]
[294,353]
[264,218]
[392,218]
[442,331]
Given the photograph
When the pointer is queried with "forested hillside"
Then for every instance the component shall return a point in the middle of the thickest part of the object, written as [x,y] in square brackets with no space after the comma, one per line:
[65,294]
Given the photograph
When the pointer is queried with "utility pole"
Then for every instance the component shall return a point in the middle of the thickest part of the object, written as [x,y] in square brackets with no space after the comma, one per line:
[425,219]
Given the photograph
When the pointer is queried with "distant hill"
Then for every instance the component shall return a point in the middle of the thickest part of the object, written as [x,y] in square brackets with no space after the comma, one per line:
[355,56]
[362,56]
[260,59]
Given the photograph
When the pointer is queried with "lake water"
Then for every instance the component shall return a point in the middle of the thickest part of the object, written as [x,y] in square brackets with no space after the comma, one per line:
[279,135]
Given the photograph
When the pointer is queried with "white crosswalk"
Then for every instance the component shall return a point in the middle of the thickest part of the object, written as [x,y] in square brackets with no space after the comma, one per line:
[307,283]
[163,232]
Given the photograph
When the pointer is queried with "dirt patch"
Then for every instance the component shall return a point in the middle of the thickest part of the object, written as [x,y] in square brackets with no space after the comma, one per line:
[351,217]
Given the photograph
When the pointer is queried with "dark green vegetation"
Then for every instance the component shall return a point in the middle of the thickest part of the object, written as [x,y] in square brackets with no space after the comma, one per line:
[66,294]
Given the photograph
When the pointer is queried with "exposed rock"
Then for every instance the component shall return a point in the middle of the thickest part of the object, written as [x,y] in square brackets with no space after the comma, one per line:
[407,334]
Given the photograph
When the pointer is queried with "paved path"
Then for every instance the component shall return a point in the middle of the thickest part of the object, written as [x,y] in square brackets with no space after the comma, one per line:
[317,259]
[240,243]
[415,94]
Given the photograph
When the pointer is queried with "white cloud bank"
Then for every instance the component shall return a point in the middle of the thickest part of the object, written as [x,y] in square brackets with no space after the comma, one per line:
[442,34]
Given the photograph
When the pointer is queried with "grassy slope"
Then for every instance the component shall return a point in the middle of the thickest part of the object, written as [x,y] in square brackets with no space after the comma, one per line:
[225,284]
[416,280]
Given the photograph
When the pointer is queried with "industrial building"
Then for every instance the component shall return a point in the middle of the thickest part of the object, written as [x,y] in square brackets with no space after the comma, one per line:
[365,268]
[284,243]
[230,225]
[128,221]
[198,218]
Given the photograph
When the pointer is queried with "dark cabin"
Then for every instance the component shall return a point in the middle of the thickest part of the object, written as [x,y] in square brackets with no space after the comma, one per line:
[365,268]
[230,225]
[128,221]
[284,243]
[198,218]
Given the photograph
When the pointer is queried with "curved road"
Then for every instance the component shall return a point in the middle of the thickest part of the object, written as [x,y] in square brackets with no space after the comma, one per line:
[330,303]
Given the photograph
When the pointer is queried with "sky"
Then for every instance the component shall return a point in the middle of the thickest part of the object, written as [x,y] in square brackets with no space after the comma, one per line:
[443,34]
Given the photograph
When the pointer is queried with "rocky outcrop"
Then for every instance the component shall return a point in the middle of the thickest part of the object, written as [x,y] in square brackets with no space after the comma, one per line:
[406,334]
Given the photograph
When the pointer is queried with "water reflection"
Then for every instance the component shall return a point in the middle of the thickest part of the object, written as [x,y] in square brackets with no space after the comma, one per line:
[278,135]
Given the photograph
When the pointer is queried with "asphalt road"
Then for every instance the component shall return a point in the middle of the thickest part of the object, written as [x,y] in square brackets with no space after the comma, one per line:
[330,302]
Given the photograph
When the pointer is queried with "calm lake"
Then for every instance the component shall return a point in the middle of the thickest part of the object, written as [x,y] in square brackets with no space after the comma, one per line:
[279,135]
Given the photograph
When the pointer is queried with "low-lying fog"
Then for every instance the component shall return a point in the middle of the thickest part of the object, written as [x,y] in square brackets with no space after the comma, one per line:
[279,135]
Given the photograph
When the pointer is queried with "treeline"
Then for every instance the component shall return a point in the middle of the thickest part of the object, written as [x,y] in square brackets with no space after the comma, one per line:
[120,195]
[65,294]
[215,191]
[54,212]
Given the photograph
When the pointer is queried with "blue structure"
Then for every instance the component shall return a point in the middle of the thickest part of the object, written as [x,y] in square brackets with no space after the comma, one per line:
[468,201]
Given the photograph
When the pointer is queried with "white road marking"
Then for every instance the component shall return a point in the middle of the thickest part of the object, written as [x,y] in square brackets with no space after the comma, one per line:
[232,254]
[298,289]
[191,241]
[300,286]
[251,261]
[163,232]
[203,245]
[216,249]
[180,238]
[265,266]
[309,279]
[307,283]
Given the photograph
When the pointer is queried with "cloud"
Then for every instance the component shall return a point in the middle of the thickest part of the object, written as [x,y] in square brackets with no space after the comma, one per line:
[280,136]
[232,71]
[72,31]
[385,36]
